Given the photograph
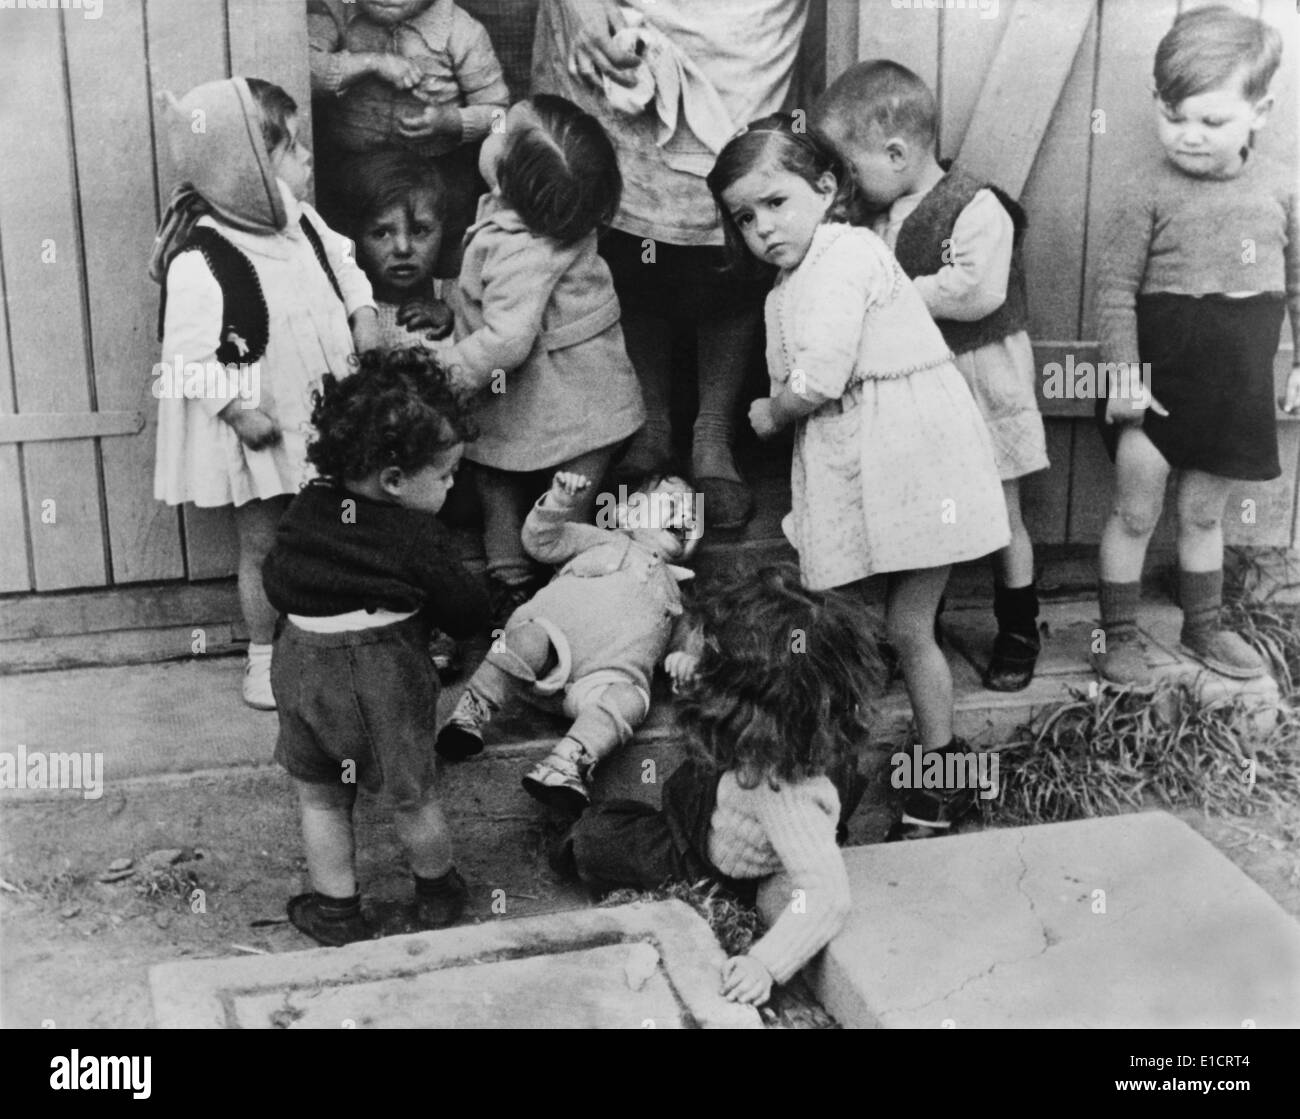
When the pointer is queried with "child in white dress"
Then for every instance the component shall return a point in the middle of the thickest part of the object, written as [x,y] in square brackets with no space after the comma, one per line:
[893,469]
[258,297]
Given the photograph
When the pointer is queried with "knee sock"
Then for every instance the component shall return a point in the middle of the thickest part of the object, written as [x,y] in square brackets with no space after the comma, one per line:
[1200,594]
[1016,609]
[258,653]
[337,909]
[1119,608]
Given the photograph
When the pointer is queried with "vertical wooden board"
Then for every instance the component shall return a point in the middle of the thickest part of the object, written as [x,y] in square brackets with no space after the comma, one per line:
[1280,140]
[268,39]
[46,324]
[111,122]
[1045,496]
[187,47]
[14,555]
[841,37]
[1129,34]
[970,39]
[909,36]
[1055,200]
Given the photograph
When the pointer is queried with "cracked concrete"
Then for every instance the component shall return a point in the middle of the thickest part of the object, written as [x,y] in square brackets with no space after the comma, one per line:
[1128,921]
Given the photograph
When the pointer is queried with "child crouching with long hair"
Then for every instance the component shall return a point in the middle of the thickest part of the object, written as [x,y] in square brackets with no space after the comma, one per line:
[773,709]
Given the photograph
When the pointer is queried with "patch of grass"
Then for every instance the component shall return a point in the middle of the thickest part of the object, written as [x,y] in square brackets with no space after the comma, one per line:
[1124,748]
[1251,607]
[736,926]
[158,883]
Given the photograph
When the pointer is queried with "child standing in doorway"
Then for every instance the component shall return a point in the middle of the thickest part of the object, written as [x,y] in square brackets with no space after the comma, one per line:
[958,238]
[252,278]
[537,328]
[893,471]
[1197,272]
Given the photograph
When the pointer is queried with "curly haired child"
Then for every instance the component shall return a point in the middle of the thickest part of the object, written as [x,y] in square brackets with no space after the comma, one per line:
[252,280]
[537,327]
[361,570]
[1198,269]
[773,710]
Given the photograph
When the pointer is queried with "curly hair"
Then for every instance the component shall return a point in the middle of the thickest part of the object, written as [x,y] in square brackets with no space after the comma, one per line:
[783,685]
[398,409]
[374,182]
[561,177]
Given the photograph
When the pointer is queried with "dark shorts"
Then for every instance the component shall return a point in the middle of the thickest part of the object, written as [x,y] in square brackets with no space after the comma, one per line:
[369,697]
[1211,364]
[690,282]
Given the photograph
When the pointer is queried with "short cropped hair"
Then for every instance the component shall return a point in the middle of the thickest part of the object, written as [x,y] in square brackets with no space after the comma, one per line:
[881,94]
[1208,48]
[562,177]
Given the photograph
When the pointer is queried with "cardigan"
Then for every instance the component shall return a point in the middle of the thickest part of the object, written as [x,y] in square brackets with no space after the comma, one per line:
[337,551]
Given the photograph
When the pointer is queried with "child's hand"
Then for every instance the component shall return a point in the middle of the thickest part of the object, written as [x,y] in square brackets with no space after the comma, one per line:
[565,487]
[762,419]
[746,980]
[1131,409]
[397,71]
[681,669]
[1291,402]
[253,426]
[432,316]
[433,122]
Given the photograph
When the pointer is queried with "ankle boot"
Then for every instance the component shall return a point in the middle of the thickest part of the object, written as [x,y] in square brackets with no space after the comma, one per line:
[1120,656]
[1200,594]
[1017,645]
[931,812]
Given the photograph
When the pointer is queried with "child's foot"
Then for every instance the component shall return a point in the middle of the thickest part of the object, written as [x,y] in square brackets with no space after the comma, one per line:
[1224,652]
[329,921]
[462,737]
[559,781]
[257,684]
[933,812]
[1011,668]
[439,902]
[1123,660]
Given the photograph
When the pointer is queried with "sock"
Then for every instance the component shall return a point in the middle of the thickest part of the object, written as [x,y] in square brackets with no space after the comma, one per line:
[258,653]
[337,909]
[434,887]
[1016,609]
[1200,593]
[1119,607]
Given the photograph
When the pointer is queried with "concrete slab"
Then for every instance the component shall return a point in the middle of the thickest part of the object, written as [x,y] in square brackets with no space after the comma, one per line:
[633,966]
[1127,921]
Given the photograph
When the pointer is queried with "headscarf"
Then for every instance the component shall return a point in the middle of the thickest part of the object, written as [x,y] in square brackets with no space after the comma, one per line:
[222,166]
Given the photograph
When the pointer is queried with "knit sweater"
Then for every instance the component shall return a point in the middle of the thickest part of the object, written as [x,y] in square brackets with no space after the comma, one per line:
[1199,236]
[336,552]
[762,831]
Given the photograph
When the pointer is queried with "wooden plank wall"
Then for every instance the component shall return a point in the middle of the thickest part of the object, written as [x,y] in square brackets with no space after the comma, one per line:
[80,196]
[1101,128]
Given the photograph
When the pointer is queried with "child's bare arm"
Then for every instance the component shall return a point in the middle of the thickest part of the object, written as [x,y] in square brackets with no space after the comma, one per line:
[973,281]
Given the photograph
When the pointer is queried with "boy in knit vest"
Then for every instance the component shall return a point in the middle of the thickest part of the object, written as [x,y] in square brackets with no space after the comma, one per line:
[958,239]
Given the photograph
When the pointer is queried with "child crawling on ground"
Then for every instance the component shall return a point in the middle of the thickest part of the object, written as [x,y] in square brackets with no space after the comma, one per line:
[589,641]
[772,710]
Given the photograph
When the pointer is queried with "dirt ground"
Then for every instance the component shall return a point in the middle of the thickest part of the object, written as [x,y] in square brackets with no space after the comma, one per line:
[75,951]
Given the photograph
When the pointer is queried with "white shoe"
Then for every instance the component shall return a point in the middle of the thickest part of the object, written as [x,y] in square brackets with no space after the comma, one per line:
[257,685]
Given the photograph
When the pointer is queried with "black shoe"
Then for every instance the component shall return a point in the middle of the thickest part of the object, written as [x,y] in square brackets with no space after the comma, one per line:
[1012,665]
[933,812]
[455,744]
[329,921]
[439,902]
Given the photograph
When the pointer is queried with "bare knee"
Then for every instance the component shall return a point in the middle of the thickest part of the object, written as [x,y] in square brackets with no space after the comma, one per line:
[1138,520]
[908,633]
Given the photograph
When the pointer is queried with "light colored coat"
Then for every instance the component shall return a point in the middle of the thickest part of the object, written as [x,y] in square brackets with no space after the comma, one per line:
[538,335]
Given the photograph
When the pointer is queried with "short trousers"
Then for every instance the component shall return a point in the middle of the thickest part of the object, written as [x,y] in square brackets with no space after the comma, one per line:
[1211,361]
[368,697]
